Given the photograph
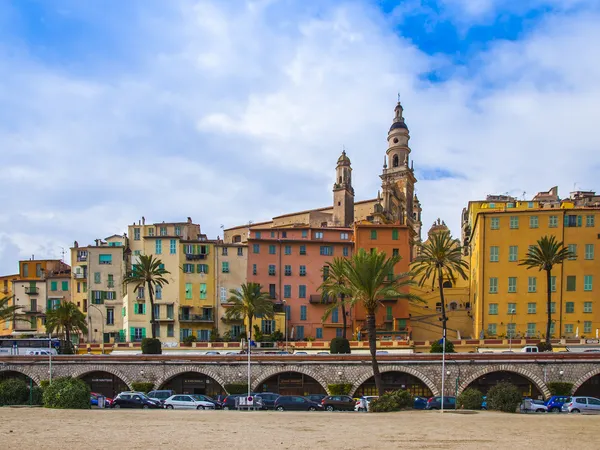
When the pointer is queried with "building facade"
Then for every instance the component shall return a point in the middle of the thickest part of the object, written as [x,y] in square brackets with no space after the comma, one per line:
[231,261]
[6,286]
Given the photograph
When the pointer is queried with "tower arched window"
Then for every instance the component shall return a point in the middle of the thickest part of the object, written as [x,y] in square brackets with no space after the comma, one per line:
[340,182]
[395,161]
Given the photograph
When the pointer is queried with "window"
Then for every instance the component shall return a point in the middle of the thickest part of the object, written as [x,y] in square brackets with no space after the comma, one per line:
[514,222]
[335,315]
[344,236]
[97,298]
[511,308]
[303,249]
[255,248]
[158,249]
[553,221]
[111,281]
[105,259]
[589,221]
[302,271]
[257,234]
[240,251]
[225,267]
[287,291]
[272,269]
[139,308]
[163,231]
[271,249]
[571,282]
[494,253]
[157,311]
[552,308]
[587,307]
[491,329]
[304,233]
[569,328]
[97,278]
[553,283]
[177,230]
[395,252]
[267,326]
[389,313]
[373,235]
[287,270]
[326,250]
[151,231]
[189,294]
[302,312]
[300,332]
[254,271]
[158,293]
[533,221]
[532,284]
[284,234]
[495,223]
[318,235]
[587,282]
[78,287]
[493,309]
[288,249]
[572,221]
[110,316]
[173,246]
[202,291]
[587,326]
[493,285]
[492,205]
[302,291]
[345,251]
[188,268]
[510,205]
[512,284]
[513,253]
[573,251]
[136,234]
[570,307]
[53,285]
[531,329]
[589,251]
[272,234]
[530,204]
[224,251]
[137,334]
[531,308]
[394,235]
[511,329]
[203,335]
[319,332]
[202,268]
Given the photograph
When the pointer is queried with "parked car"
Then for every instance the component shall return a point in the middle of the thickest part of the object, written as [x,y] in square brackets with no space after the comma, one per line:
[363,403]
[212,353]
[581,404]
[229,401]
[300,353]
[219,399]
[419,403]
[316,397]
[268,399]
[530,405]
[135,400]
[161,396]
[322,353]
[296,403]
[556,402]
[338,403]
[381,352]
[187,402]
[209,399]
[94,400]
[436,403]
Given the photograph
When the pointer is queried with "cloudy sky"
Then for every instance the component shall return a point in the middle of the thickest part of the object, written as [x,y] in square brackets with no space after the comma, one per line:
[230,111]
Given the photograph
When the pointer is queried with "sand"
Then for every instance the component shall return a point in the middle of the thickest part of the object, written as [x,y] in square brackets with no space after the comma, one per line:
[24,428]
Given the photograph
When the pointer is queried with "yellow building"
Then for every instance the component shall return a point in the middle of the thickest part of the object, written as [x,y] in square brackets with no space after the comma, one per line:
[6,284]
[267,326]
[509,299]
[231,261]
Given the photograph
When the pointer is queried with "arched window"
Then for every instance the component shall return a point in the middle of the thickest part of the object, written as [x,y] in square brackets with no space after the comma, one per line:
[340,182]
[453,306]
[395,161]
[447,284]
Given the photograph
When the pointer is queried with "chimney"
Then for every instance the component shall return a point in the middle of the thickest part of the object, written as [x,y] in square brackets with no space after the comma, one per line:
[143,220]
[75,244]
[96,241]
[189,220]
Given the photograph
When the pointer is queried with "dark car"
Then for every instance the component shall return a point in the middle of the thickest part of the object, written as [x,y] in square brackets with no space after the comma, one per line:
[338,403]
[268,399]
[161,396]
[296,403]
[135,400]
[316,397]
[419,403]
[436,403]
[229,401]
[556,402]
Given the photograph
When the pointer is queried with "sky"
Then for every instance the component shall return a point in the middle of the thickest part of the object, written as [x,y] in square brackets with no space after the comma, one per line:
[236,111]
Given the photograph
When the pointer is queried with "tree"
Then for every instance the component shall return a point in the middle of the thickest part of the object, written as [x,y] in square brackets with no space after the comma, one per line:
[148,273]
[440,257]
[66,319]
[333,286]
[547,253]
[8,311]
[369,278]
[249,302]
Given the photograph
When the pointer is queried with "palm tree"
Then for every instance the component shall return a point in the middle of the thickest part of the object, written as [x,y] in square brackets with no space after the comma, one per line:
[547,253]
[440,257]
[333,286]
[65,319]
[370,278]
[249,302]
[8,311]
[148,273]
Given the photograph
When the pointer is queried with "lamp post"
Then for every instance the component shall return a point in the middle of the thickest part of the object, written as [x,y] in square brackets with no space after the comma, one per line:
[443,368]
[102,317]
[49,358]
[512,313]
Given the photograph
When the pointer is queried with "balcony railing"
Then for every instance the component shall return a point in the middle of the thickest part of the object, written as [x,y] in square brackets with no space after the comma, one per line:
[82,258]
[111,284]
[321,299]
[32,290]
[193,257]
[164,319]
[80,276]
[32,310]
[195,318]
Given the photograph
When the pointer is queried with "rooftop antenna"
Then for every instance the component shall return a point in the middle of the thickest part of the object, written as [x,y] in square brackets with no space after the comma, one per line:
[524,195]
[62,252]
[398,97]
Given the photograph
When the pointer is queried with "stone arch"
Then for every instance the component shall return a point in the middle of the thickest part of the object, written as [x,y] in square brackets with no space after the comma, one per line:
[81,371]
[537,381]
[167,376]
[272,371]
[583,379]
[409,370]
[23,371]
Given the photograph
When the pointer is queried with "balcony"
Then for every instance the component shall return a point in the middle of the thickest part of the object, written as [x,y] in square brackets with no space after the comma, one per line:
[192,257]
[388,319]
[110,284]
[164,319]
[80,276]
[196,318]
[321,299]
[32,290]
[32,310]
[81,258]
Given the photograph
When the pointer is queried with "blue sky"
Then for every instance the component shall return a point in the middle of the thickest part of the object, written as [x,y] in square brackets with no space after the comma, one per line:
[236,111]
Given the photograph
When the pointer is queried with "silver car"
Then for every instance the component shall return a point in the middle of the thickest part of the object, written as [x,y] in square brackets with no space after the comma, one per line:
[187,402]
[581,404]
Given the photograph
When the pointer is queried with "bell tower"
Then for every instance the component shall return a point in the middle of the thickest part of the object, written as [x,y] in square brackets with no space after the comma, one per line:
[343,193]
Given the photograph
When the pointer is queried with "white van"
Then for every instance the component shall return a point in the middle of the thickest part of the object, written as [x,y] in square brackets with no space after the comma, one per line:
[530,349]
[38,352]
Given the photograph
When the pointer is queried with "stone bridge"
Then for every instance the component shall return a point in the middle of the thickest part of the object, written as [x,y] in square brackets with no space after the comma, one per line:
[422,371]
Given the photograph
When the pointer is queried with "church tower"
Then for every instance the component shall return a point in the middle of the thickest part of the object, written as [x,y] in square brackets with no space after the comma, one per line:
[343,193]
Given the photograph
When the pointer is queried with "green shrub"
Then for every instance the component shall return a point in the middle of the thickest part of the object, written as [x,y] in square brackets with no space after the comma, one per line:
[470,399]
[339,345]
[44,384]
[189,339]
[236,388]
[67,393]
[504,397]
[436,347]
[560,388]
[544,347]
[151,346]
[142,386]
[277,336]
[392,401]
[14,392]
[37,396]
[340,388]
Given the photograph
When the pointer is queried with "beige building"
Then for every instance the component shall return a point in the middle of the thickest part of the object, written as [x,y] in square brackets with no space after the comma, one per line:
[231,262]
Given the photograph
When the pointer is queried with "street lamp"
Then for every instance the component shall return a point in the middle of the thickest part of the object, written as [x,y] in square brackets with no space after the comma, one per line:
[512,313]
[102,317]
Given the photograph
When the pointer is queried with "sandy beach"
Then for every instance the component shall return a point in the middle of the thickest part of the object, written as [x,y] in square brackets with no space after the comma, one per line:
[136,429]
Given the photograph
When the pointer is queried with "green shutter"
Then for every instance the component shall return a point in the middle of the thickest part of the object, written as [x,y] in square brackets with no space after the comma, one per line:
[144,329]
[53,286]
[566,220]
[103,295]
[65,285]
[131,333]
[144,308]
[579,221]
[123,311]
[48,305]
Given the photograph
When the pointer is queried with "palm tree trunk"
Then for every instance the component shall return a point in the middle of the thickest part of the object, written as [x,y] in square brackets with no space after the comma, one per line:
[444,318]
[373,349]
[152,318]
[344,320]
[549,307]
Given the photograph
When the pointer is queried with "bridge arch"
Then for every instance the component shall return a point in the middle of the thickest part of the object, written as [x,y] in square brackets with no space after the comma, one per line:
[524,372]
[20,370]
[585,378]
[170,374]
[272,371]
[392,368]
[82,371]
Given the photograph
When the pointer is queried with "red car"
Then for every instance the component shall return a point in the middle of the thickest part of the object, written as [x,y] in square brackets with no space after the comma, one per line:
[94,400]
